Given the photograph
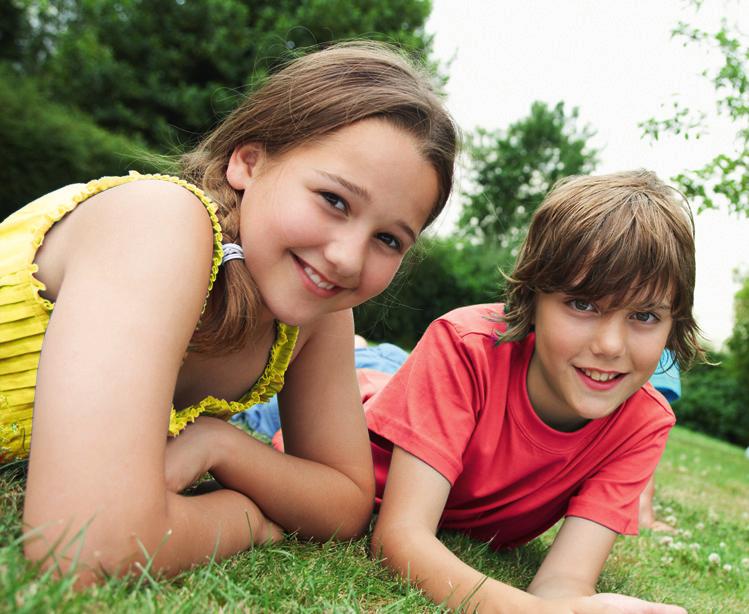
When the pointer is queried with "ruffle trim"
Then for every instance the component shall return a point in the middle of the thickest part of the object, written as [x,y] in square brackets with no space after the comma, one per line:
[100,185]
[268,385]
[210,206]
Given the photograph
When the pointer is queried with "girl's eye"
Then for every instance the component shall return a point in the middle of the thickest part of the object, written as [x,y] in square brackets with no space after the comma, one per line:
[580,305]
[645,316]
[389,240]
[335,201]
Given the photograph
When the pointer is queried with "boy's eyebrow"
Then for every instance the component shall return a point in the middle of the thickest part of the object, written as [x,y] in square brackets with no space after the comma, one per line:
[362,193]
[358,190]
[653,306]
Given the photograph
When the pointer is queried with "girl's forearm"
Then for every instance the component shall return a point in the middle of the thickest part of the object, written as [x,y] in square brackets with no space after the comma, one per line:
[163,535]
[301,495]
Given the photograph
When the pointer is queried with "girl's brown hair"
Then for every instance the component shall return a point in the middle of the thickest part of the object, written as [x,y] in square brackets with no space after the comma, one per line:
[627,237]
[310,97]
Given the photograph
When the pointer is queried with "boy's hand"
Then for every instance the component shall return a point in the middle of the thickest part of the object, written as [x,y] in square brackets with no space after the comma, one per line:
[606,603]
[631,605]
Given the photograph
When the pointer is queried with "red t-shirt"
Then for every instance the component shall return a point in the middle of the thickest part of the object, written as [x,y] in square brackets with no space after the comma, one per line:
[460,404]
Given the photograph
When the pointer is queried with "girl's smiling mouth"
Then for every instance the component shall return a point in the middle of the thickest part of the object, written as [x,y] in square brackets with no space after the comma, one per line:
[314,280]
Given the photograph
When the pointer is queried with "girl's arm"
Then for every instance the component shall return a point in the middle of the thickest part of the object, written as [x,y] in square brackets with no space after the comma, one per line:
[323,486]
[404,537]
[134,276]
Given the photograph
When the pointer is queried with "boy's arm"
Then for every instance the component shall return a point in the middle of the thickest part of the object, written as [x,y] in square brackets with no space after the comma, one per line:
[583,541]
[404,537]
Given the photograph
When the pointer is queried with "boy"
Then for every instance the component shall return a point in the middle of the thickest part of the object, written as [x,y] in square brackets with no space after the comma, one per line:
[504,420]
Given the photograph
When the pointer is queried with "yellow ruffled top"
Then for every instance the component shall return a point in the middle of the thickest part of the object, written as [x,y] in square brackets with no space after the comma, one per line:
[24,315]
[267,385]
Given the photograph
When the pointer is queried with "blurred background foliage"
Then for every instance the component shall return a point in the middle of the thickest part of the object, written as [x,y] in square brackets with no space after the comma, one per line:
[97,87]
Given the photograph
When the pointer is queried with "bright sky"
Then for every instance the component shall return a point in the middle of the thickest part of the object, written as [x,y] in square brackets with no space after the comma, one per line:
[617,62]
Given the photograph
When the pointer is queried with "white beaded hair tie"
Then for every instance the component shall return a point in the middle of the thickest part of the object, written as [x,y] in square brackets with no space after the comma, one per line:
[232,251]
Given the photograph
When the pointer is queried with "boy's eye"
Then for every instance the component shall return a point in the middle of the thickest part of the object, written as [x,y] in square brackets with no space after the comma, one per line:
[580,305]
[389,240]
[645,316]
[335,201]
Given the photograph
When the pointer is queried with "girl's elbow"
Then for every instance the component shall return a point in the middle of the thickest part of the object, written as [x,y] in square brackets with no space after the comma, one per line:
[100,548]
[357,518]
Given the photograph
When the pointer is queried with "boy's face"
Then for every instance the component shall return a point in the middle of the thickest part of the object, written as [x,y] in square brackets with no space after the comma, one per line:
[591,357]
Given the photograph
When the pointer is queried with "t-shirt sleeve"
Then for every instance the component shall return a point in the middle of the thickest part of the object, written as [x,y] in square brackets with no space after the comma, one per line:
[611,495]
[429,406]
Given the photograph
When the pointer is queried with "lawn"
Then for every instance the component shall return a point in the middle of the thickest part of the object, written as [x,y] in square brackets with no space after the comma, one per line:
[703,490]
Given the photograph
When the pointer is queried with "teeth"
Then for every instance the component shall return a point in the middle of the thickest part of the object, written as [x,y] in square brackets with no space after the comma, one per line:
[599,376]
[317,280]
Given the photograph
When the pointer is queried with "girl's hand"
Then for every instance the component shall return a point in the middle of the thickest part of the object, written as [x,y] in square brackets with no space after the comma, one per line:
[192,453]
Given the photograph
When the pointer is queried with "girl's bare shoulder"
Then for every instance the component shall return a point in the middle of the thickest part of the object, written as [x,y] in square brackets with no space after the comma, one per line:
[150,238]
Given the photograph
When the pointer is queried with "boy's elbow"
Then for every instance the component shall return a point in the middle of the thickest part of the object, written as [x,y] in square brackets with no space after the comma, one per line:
[384,539]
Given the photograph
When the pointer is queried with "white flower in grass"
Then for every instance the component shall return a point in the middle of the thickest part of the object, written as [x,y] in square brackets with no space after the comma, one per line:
[687,534]
[745,562]
[670,520]
[678,545]
[694,546]
[668,510]
[727,567]
[722,545]
[667,560]
[700,526]
[713,558]
[666,540]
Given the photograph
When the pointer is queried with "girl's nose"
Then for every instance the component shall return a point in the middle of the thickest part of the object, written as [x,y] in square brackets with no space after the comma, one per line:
[347,255]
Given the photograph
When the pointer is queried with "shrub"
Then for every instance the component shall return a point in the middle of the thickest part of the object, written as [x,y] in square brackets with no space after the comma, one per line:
[47,145]
[441,275]
[714,402]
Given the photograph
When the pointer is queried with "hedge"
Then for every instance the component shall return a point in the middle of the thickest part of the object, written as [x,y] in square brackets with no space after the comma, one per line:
[46,145]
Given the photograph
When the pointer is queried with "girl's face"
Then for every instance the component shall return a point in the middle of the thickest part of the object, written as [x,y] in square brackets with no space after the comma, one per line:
[325,226]
[591,357]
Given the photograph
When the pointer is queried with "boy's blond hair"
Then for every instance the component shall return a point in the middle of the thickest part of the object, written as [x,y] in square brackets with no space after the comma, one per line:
[627,237]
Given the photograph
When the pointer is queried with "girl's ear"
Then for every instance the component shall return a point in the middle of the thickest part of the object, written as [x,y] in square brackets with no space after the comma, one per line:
[243,165]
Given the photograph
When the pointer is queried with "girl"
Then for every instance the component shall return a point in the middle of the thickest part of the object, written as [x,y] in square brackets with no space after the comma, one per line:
[503,421]
[205,294]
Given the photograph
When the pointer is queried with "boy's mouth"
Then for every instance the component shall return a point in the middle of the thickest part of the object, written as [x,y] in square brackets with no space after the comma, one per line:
[600,376]
[599,380]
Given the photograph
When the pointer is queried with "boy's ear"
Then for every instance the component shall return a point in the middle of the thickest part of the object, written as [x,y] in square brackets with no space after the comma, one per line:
[243,164]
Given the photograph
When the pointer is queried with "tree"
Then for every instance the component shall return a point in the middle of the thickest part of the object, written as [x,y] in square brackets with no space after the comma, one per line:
[738,343]
[725,177]
[145,67]
[513,169]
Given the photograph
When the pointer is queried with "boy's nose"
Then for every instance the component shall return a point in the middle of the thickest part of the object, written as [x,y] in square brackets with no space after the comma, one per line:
[609,338]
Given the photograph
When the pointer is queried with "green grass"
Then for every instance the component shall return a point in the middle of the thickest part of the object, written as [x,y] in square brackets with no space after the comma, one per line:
[703,485]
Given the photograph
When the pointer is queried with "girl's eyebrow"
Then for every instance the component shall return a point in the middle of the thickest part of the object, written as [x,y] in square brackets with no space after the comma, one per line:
[362,193]
[358,190]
